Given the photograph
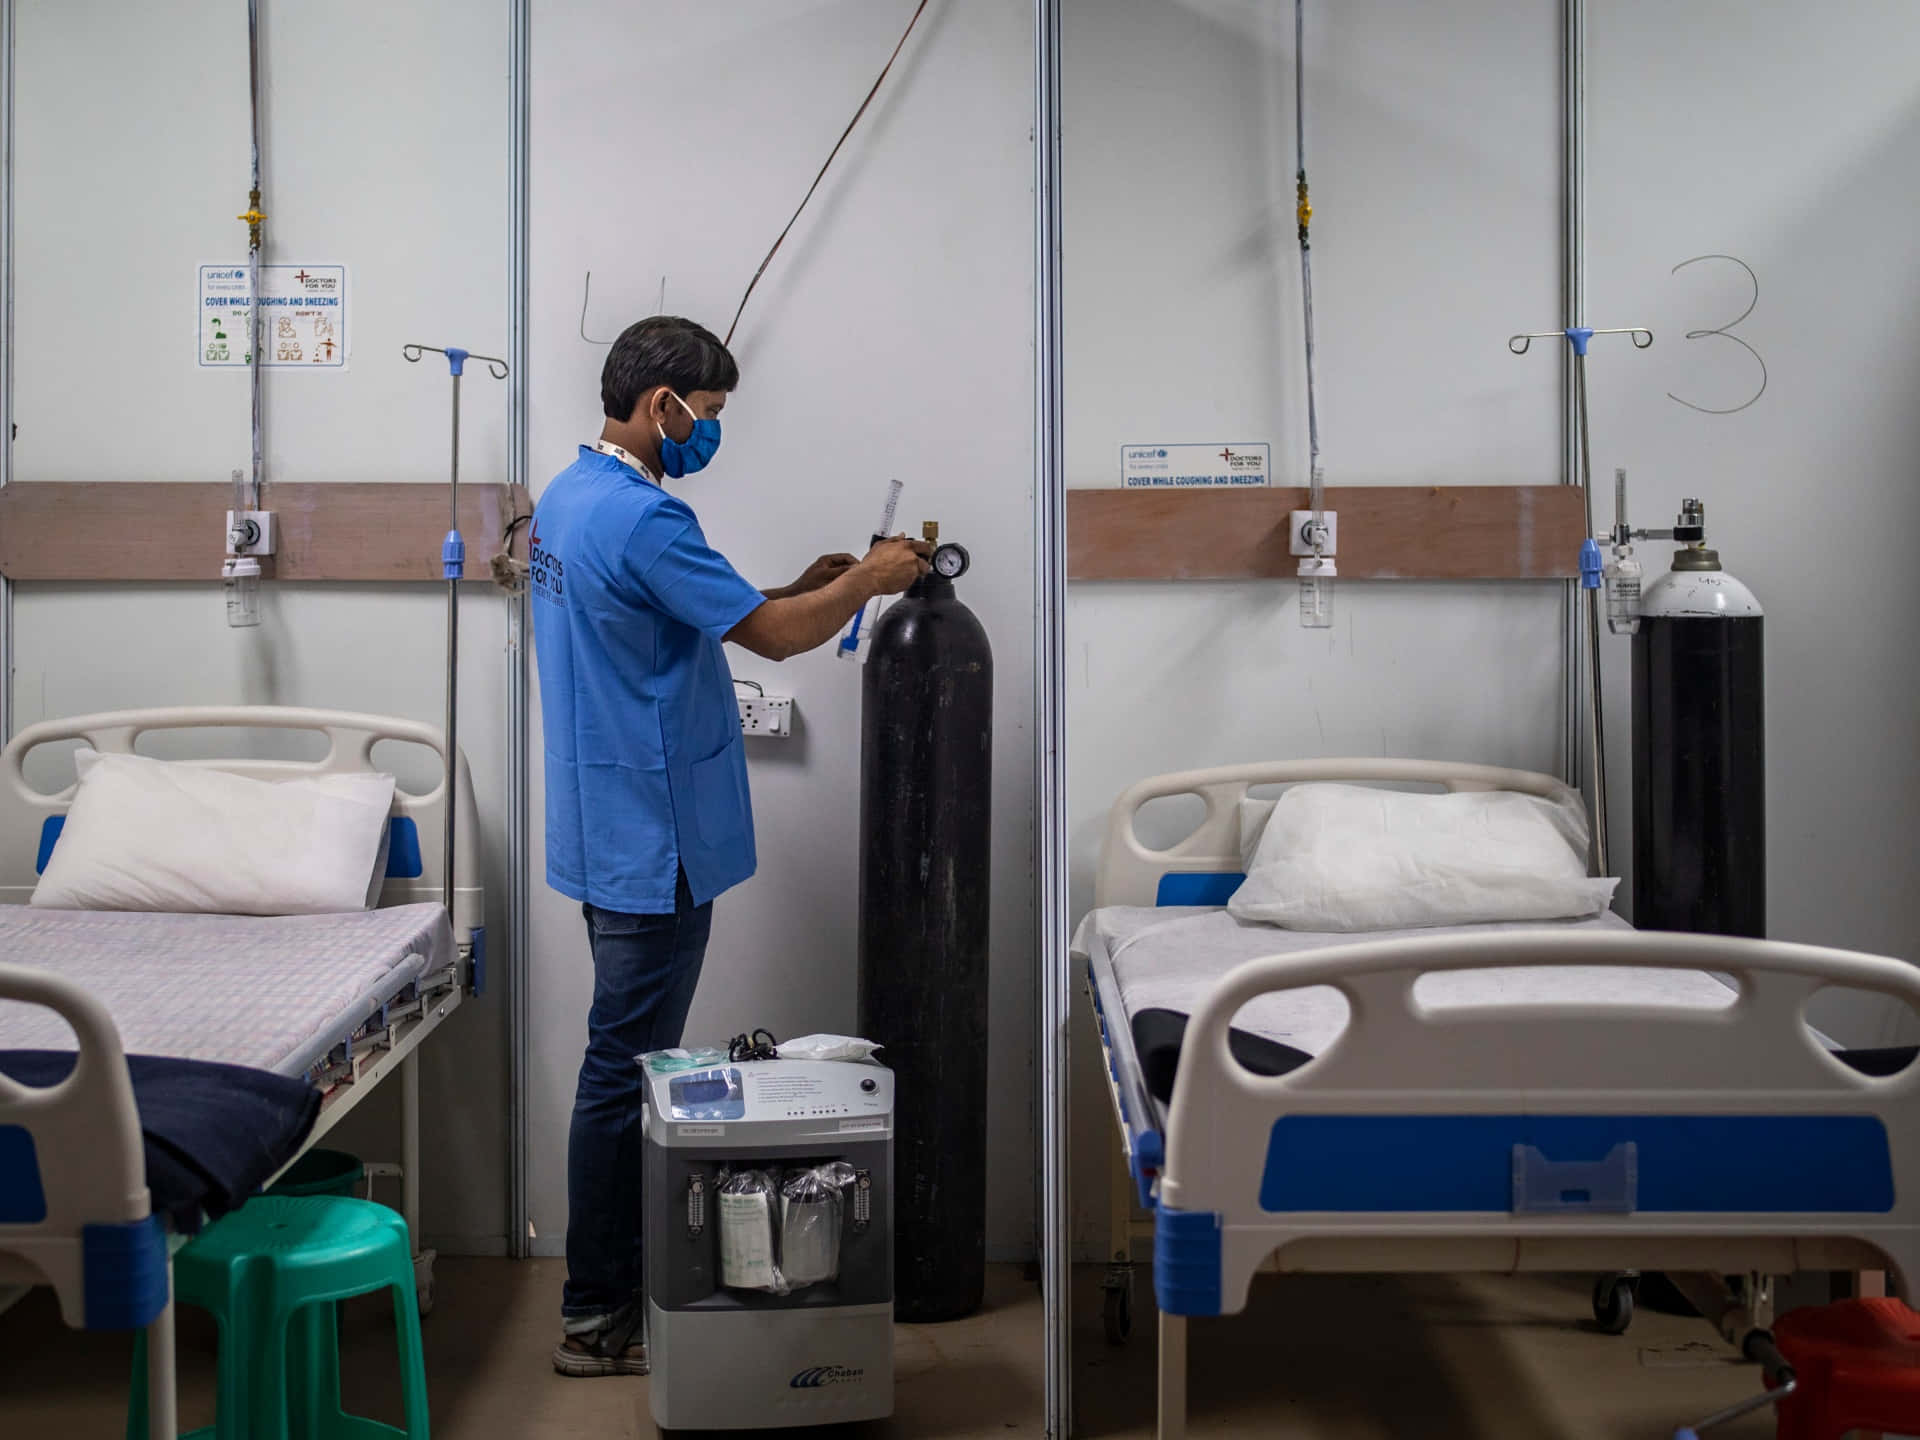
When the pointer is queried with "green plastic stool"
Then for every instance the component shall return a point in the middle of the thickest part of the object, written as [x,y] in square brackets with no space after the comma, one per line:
[321,1172]
[272,1273]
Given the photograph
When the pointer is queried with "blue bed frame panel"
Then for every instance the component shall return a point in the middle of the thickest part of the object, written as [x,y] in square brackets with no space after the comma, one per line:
[50,830]
[1198,887]
[1698,1164]
[23,1200]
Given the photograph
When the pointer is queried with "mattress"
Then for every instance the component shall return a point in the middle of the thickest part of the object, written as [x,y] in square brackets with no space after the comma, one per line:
[274,993]
[1166,960]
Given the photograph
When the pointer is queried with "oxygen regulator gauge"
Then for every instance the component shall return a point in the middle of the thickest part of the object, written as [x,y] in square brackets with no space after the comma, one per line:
[950,561]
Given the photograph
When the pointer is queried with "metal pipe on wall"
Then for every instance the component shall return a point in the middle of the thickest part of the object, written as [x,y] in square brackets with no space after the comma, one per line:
[256,371]
[1573,293]
[519,857]
[1050,727]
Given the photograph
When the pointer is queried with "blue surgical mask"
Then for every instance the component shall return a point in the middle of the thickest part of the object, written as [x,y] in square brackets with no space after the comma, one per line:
[683,457]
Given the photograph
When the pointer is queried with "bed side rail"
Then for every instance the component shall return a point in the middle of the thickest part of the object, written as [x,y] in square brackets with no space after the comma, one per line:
[73,1188]
[1131,873]
[414,870]
[1134,1107]
[1407,1085]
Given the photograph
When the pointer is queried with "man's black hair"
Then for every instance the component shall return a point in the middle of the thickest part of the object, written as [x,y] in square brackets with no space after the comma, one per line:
[663,350]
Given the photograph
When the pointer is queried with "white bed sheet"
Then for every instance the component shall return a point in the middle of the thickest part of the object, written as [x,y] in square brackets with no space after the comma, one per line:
[275,993]
[1170,958]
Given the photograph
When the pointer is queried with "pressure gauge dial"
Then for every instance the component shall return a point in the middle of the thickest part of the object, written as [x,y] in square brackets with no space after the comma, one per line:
[950,561]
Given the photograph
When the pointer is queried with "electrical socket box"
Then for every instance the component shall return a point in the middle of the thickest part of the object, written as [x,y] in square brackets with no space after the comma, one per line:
[766,714]
[249,532]
[1300,532]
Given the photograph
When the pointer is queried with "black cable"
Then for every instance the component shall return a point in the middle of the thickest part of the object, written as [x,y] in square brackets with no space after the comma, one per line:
[759,689]
[506,535]
[823,170]
[759,1046]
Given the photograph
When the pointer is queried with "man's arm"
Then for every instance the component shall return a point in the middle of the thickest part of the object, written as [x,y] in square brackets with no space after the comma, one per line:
[823,571]
[791,624]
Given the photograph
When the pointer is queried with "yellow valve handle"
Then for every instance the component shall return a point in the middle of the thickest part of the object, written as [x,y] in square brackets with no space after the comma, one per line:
[253,218]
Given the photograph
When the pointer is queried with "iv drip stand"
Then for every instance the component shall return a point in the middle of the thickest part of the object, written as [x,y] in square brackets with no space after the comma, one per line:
[1578,337]
[453,564]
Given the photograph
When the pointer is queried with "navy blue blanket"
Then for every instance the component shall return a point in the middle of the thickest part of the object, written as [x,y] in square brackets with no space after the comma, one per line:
[214,1133]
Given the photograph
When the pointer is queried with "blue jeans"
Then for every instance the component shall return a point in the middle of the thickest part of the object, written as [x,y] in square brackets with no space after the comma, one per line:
[645,968]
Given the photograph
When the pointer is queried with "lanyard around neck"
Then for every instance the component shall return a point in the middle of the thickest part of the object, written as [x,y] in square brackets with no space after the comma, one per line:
[608,448]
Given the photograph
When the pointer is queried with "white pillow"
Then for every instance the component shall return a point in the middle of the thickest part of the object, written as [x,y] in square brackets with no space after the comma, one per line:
[1350,858]
[146,834]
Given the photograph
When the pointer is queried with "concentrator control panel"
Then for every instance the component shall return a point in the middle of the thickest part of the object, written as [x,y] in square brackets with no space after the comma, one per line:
[772,1101]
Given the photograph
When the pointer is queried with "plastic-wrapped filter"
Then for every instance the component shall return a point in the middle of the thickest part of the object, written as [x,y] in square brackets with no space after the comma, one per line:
[749,1242]
[811,1204]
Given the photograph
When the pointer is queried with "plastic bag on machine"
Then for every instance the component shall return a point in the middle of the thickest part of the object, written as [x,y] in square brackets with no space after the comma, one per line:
[672,1062]
[827,1047]
[811,1209]
[749,1238]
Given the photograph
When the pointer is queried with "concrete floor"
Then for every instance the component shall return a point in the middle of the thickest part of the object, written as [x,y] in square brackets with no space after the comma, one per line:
[1314,1358]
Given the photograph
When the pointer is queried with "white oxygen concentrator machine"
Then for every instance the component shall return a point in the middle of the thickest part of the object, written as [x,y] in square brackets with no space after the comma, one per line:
[769,1244]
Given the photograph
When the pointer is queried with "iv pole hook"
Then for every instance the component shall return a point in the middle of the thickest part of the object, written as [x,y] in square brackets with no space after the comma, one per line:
[453,561]
[1578,337]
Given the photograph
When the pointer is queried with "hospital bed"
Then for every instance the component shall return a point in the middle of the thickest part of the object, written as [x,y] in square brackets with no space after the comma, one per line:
[339,1002]
[1546,1097]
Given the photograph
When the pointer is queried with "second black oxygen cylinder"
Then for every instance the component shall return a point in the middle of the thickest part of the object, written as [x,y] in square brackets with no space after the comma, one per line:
[925,850]
[1699,754]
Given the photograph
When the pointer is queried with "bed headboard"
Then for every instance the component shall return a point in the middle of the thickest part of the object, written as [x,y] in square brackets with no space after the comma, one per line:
[1205,867]
[417,825]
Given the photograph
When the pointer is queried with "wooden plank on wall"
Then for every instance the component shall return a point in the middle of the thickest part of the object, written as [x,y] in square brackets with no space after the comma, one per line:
[1387,532]
[57,530]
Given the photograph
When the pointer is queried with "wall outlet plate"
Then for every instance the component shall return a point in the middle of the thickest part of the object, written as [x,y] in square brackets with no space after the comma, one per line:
[765,714]
[250,532]
[1299,524]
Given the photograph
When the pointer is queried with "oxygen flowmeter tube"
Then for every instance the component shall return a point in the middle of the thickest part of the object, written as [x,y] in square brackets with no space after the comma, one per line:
[1623,572]
[853,645]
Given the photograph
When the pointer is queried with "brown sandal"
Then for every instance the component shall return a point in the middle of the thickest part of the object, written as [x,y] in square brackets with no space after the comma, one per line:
[615,1349]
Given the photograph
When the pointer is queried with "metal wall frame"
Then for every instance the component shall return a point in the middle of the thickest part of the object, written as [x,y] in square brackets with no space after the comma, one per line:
[6,347]
[1050,720]
[519,720]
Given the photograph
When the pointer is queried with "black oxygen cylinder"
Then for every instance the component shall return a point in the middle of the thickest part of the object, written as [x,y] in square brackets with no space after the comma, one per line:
[1699,754]
[926,781]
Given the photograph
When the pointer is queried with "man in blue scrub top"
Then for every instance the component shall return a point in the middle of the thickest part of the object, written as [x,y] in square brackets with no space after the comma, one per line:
[647,811]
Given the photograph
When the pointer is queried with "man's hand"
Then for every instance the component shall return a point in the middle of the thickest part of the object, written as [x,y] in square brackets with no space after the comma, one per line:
[823,571]
[895,564]
[789,624]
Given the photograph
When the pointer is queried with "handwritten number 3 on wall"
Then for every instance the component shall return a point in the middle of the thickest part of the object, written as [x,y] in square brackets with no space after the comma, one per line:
[1724,332]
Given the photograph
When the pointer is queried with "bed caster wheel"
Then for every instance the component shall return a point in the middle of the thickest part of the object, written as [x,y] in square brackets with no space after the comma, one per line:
[1613,1304]
[1116,1315]
[423,1281]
